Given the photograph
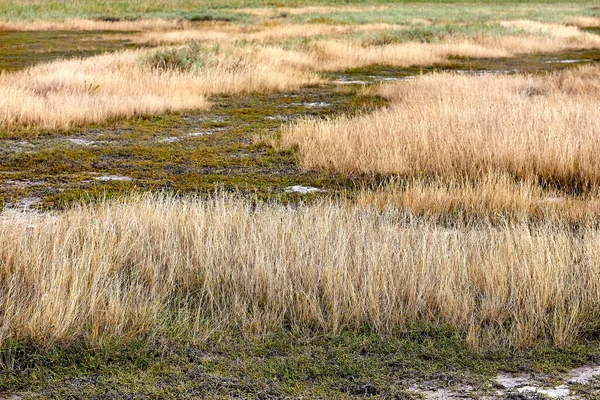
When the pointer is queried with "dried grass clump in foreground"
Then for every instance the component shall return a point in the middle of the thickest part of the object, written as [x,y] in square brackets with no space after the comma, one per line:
[452,126]
[158,267]
[65,93]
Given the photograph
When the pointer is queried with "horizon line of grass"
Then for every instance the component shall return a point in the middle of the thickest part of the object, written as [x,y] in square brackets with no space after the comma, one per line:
[211,10]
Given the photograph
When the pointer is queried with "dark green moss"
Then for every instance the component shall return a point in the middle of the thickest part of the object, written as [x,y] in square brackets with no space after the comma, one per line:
[533,63]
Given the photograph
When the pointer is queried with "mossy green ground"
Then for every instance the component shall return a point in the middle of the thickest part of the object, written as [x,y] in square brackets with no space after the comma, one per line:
[194,152]
[344,365]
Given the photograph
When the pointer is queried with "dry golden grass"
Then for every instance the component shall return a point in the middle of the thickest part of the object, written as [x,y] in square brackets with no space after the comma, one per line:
[334,51]
[333,55]
[494,199]
[452,126]
[339,54]
[585,22]
[154,267]
[65,93]
[260,32]
[549,29]
[92,90]
[277,11]
[515,45]
[520,265]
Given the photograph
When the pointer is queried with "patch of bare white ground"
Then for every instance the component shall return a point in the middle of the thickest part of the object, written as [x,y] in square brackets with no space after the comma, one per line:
[118,178]
[170,139]
[525,384]
[302,189]
[567,61]
[82,142]
[200,133]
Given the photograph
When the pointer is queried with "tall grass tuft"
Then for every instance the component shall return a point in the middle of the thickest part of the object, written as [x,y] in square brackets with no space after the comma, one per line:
[158,267]
[537,128]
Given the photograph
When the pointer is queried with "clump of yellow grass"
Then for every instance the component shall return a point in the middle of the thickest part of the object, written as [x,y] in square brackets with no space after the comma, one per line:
[71,92]
[585,22]
[157,267]
[64,93]
[258,32]
[453,126]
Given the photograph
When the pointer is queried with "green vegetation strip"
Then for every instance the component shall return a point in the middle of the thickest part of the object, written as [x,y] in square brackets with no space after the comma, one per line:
[346,365]
[225,10]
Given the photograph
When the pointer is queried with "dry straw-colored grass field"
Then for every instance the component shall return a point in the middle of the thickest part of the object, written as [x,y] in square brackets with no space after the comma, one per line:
[494,198]
[155,266]
[491,147]
[71,92]
[454,127]
[488,225]
[233,59]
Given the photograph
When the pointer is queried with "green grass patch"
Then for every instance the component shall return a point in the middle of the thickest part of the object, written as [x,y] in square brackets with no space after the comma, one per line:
[224,10]
[343,365]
